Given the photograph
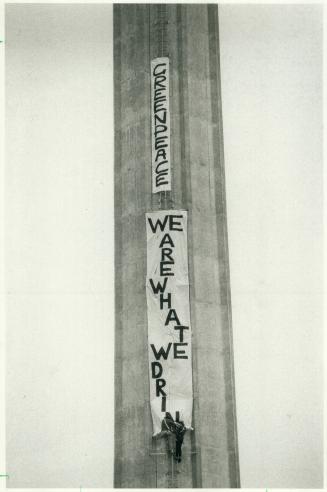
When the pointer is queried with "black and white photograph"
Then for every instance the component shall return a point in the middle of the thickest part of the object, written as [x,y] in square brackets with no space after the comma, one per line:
[163,246]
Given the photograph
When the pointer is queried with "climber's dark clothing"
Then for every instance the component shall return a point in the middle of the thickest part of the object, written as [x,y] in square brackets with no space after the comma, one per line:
[180,430]
[178,454]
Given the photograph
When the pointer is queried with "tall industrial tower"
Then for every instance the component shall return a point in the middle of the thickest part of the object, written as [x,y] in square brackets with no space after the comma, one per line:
[167,72]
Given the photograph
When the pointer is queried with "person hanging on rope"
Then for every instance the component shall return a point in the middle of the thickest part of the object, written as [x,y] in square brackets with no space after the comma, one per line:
[168,427]
[179,430]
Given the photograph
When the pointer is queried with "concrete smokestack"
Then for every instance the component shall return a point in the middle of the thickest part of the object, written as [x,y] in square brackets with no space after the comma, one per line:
[188,36]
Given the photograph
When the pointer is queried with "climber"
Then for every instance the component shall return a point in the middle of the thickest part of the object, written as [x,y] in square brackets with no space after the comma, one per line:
[179,430]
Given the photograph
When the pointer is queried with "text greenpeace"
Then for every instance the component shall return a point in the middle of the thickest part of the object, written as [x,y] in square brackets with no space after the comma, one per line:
[169,329]
[160,125]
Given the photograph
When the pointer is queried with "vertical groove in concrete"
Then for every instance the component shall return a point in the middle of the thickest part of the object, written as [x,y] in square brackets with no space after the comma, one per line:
[188,34]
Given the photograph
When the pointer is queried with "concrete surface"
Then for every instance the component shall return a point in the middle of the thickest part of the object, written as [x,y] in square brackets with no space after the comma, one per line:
[188,34]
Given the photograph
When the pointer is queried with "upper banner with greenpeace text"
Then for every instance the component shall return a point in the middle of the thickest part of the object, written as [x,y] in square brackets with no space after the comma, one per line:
[169,328]
[160,125]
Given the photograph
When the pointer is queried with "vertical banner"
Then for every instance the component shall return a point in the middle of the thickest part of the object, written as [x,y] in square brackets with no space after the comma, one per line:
[160,125]
[169,328]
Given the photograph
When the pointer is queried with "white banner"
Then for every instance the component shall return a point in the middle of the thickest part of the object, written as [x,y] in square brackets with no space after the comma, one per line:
[160,125]
[169,328]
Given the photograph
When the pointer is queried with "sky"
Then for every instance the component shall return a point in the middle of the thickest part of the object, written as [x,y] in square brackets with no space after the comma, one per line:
[59,241]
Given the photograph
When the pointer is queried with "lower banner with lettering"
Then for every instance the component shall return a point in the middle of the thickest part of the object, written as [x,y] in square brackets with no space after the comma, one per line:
[169,328]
